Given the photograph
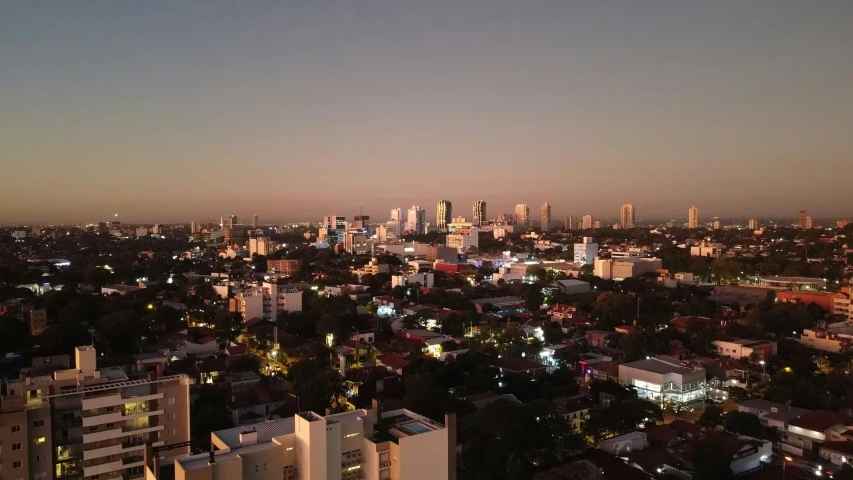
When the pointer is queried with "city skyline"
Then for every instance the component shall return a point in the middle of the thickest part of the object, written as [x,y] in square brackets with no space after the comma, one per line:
[148,108]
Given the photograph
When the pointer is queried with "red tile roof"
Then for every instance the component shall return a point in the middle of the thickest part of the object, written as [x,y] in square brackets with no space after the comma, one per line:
[206,340]
[235,349]
[821,420]
[252,322]
[661,434]
[393,360]
[841,447]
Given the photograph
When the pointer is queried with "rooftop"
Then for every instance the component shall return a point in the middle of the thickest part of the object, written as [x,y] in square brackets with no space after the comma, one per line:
[782,412]
[661,364]
[276,428]
[821,420]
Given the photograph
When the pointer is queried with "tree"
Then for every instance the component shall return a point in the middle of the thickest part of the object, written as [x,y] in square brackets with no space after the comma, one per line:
[711,462]
[613,309]
[711,418]
[622,416]
[743,423]
[421,395]
[229,325]
[209,413]
[321,392]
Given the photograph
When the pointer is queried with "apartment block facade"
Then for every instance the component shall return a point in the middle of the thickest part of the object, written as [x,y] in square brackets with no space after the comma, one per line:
[357,445]
[85,423]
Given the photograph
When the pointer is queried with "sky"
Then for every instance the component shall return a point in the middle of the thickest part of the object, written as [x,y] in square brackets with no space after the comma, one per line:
[167,111]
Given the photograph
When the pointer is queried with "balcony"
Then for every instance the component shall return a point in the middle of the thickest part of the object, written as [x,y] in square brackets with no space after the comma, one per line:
[117,449]
[70,422]
[116,417]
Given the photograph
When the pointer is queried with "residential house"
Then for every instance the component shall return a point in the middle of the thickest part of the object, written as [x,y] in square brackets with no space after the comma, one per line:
[808,431]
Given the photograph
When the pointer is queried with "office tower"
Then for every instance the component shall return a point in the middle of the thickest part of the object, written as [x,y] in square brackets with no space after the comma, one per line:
[255,221]
[232,221]
[808,223]
[479,213]
[358,243]
[570,222]
[586,251]
[522,215]
[333,228]
[416,220]
[753,224]
[442,214]
[193,227]
[545,218]
[627,216]
[586,222]
[803,216]
[61,422]
[361,222]
[221,222]
[260,246]
[360,444]
[693,217]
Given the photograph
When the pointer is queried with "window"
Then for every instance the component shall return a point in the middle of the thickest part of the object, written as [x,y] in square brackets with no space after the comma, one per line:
[38,423]
[39,440]
[16,428]
[111,409]
[16,464]
[16,446]
[67,416]
[111,425]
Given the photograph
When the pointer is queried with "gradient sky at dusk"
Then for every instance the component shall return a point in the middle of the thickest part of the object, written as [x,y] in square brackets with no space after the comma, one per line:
[177,110]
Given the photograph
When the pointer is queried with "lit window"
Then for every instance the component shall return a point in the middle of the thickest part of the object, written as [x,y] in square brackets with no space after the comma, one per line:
[39,440]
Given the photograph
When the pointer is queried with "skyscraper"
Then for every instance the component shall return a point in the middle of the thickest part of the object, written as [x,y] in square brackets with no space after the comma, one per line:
[570,222]
[522,215]
[232,220]
[693,217]
[193,227]
[803,216]
[627,216]
[479,213]
[443,214]
[399,220]
[416,220]
[545,219]
[587,222]
[255,221]
[753,224]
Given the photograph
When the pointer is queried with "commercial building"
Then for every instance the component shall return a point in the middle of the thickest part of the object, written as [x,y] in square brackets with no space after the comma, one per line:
[586,252]
[361,444]
[621,269]
[479,213]
[693,217]
[570,223]
[426,279]
[332,230]
[266,300]
[358,243]
[522,215]
[545,219]
[84,422]
[284,267]
[416,220]
[664,379]
[260,246]
[443,214]
[397,222]
[627,216]
[586,222]
[442,253]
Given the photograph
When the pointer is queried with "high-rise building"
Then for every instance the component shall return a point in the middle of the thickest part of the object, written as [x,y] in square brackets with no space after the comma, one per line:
[416,220]
[570,223]
[333,229]
[586,251]
[753,224]
[358,243]
[361,222]
[522,215]
[255,221]
[693,217]
[260,246]
[545,217]
[627,216]
[359,444]
[193,227]
[803,216]
[443,214]
[586,222]
[808,224]
[156,229]
[463,239]
[479,213]
[399,218]
[222,222]
[232,221]
[84,422]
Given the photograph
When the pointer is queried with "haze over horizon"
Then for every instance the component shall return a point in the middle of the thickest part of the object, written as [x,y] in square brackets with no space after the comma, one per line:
[176,111]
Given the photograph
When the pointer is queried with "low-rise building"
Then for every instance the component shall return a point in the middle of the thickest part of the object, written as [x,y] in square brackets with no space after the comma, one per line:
[284,267]
[812,429]
[772,414]
[625,268]
[835,338]
[425,279]
[664,379]
[623,444]
[740,347]
[705,249]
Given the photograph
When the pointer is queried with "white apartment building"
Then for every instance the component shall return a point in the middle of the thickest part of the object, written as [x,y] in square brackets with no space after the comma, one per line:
[84,422]
[586,222]
[522,215]
[664,379]
[836,337]
[627,215]
[260,246]
[705,249]
[740,347]
[266,300]
[586,252]
[464,239]
[357,445]
[626,267]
